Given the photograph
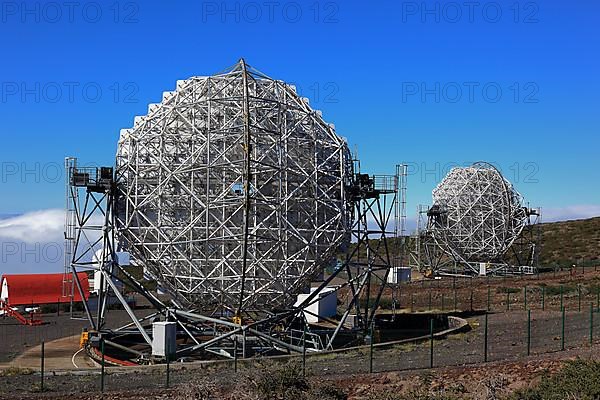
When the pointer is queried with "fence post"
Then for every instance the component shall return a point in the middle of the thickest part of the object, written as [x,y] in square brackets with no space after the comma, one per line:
[304,351]
[235,355]
[42,366]
[412,302]
[488,298]
[400,295]
[543,298]
[561,297]
[102,366]
[485,339]
[371,344]
[244,344]
[471,299]
[591,324]
[455,301]
[168,370]
[431,343]
[525,296]
[528,332]
[562,336]
[429,300]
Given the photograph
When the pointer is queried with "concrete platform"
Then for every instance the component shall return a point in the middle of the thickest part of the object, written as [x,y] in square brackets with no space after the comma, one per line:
[59,355]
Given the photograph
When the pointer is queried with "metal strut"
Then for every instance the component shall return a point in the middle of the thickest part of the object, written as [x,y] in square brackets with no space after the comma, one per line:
[247,177]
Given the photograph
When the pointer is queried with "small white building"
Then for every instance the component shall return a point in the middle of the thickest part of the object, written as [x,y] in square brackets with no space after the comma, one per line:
[398,275]
[483,268]
[324,305]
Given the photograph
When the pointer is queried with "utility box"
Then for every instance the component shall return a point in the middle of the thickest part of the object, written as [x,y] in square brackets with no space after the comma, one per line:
[351,321]
[164,339]
[482,269]
[398,275]
[324,305]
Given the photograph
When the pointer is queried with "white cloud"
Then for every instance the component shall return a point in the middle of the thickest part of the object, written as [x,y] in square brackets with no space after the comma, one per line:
[35,227]
[34,242]
[582,211]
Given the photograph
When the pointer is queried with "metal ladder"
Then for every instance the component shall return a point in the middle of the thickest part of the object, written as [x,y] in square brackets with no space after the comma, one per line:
[68,285]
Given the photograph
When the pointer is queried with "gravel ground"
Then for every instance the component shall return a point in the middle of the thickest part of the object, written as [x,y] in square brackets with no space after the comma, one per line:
[507,343]
[471,382]
[456,357]
[16,338]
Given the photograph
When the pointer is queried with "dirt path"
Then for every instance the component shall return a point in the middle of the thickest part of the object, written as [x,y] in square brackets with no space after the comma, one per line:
[15,339]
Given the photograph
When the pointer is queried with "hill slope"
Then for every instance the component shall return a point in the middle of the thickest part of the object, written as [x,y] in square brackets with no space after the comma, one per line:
[563,243]
[571,242]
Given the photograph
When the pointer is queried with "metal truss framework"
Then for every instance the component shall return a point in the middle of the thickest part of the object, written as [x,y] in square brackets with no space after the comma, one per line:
[234,195]
[477,218]
[374,203]
[231,191]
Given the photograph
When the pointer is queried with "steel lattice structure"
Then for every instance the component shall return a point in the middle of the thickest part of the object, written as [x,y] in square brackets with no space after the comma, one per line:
[231,193]
[91,239]
[480,213]
[234,195]
[476,216]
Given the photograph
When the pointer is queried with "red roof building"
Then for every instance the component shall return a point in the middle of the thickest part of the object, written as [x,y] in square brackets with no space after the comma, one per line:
[37,289]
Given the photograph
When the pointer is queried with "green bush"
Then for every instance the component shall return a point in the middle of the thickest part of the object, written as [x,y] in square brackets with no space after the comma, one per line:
[285,381]
[16,371]
[508,289]
[555,290]
[281,381]
[327,392]
[579,379]
[415,395]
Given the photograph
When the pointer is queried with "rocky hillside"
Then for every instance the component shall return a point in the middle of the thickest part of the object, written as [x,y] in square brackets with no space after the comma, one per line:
[571,242]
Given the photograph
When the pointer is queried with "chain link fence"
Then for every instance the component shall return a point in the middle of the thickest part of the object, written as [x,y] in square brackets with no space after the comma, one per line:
[508,320]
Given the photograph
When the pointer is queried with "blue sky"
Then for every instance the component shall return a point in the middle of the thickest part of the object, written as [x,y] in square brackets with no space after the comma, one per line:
[432,84]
